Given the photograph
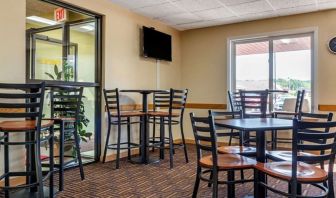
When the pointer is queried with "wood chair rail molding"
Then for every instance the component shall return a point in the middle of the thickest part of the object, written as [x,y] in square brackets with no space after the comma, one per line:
[129,107]
[326,107]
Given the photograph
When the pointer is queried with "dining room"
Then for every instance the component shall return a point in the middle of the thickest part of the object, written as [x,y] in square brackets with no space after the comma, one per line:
[167,98]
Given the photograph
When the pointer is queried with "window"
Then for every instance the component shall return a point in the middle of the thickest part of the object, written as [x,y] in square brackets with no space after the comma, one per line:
[276,63]
[67,52]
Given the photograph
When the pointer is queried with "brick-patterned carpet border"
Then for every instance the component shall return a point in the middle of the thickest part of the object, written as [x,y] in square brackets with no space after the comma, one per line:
[150,181]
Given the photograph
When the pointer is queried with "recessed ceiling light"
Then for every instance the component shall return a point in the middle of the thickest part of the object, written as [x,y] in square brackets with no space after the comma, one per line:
[42,20]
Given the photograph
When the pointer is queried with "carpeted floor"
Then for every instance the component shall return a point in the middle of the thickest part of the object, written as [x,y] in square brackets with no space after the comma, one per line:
[150,181]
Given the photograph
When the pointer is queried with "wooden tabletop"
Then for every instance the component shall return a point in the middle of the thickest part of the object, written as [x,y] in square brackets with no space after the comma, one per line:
[143,90]
[256,124]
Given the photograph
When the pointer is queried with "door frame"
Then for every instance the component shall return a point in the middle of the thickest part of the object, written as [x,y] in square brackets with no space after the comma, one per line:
[97,84]
[313,31]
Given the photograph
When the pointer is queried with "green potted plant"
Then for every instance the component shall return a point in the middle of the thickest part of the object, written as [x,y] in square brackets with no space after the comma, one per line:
[68,74]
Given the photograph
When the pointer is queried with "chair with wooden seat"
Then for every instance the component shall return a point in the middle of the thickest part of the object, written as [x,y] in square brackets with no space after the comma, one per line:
[287,115]
[170,113]
[206,142]
[117,117]
[22,105]
[282,155]
[223,132]
[302,169]
[65,105]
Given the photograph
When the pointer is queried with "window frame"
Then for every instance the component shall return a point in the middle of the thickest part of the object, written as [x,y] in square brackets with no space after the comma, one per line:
[270,37]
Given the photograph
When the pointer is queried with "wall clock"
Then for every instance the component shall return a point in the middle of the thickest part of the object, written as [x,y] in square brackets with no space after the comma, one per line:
[332,45]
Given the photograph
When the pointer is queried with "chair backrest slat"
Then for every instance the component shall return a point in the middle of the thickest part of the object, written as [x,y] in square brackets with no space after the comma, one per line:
[234,100]
[112,102]
[254,103]
[22,101]
[65,102]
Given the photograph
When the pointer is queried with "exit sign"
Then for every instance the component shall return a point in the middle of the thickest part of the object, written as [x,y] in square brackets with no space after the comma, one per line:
[60,15]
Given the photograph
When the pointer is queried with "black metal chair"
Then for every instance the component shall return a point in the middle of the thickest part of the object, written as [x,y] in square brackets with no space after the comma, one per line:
[117,117]
[282,155]
[235,105]
[206,141]
[223,132]
[174,103]
[254,105]
[22,104]
[307,137]
[287,115]
[65,112]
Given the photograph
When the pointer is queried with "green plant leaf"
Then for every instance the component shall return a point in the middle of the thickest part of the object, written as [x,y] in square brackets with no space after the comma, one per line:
[49,75]
[56,69]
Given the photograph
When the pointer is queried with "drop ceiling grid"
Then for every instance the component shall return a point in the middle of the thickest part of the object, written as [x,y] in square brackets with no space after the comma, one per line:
[190,14]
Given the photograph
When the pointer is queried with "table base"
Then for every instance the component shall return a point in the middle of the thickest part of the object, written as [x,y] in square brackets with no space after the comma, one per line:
[25,193]
[138,160]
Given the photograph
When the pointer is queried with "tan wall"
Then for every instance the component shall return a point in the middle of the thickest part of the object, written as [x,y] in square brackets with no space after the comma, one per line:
[204,52]
[122,64]
[12,56]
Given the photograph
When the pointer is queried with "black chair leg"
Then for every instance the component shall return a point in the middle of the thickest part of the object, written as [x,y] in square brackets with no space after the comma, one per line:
[183,142]
[331,186]
[61,158]
[107,141]
[51,162]
[215,184]
[154,123]
[197,182]
[6,163]
[210,179]
[128,138]
[38,166]
[171,146]
[118,146]
[79,156]
[231,186]
[230,140]
[162,138]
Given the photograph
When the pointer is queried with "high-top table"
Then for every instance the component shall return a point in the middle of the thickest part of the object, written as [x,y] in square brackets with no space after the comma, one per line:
[145,132]
[260,125]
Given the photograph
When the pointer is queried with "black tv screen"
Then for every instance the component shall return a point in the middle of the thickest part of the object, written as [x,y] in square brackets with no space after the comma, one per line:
[156,44]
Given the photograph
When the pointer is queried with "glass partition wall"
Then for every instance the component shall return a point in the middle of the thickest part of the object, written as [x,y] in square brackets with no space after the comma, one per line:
[67,53]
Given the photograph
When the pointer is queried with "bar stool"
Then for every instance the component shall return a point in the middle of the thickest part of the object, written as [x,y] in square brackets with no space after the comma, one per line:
[23,105]
[65,112]
[175,103]
[116,117]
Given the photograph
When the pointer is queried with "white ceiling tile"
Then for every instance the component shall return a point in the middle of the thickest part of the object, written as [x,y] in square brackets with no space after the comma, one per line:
[279,4]
[251,7]
[180,19]
[197,5]
[134,4]
[327,5]
[235,2]
[159,11]
[216,13]
[189,14]
[296,10]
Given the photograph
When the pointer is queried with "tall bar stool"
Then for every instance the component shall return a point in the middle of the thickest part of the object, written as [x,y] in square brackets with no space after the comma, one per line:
[174,105]
[116,117]
[22,104]
[65,112]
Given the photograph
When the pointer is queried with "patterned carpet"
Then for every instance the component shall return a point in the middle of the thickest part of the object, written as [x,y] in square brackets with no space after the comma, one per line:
[150,181]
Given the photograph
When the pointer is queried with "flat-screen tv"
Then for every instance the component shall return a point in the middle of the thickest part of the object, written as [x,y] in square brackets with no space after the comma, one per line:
[156,44]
